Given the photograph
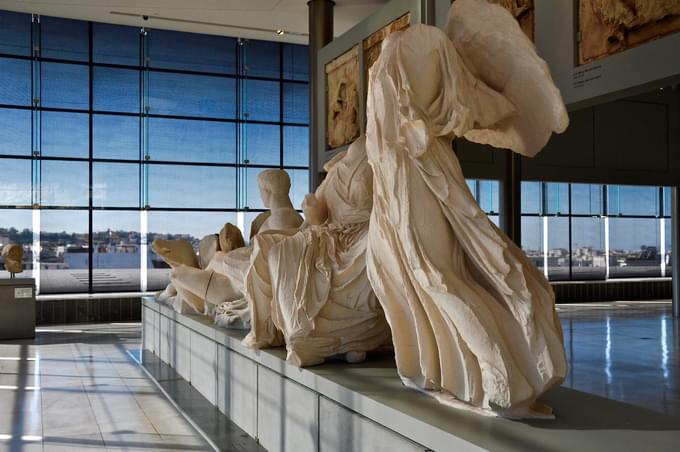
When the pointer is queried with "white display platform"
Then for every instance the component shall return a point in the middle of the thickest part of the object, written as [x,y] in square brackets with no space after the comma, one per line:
[364,407]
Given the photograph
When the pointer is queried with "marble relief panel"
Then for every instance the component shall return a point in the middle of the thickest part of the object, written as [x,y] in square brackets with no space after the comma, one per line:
[342,91]
[607,27]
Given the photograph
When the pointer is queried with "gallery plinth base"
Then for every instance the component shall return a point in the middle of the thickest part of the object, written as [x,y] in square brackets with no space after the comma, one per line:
[351,407]
[17,308]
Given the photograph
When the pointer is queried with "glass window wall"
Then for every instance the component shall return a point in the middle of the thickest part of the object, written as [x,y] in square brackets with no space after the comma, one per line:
[112,136]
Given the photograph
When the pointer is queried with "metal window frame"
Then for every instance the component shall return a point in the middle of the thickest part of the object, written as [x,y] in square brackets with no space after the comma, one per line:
[144,69]
[543,215]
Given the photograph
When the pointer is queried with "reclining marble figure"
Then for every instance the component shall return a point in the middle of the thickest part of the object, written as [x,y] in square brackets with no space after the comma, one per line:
[180,253]
[222,279]
[309,289]
[473,320]
[13,256]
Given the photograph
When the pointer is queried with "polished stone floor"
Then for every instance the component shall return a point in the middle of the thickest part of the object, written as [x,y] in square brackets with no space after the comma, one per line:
[77,388]
[80,387]
[627,351]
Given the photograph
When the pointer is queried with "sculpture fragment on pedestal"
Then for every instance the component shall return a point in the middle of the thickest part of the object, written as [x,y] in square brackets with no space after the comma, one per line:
[13,256]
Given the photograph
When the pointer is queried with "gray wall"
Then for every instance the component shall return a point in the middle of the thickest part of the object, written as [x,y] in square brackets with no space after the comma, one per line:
[633,141]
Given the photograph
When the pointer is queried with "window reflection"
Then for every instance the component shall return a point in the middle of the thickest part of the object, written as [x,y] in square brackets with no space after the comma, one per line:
[15,80]
[115,137]
[488,195]
[116,251]
[15,189]
[116,90]
[532,197]
[299,181]
[532,240]
[261,59]
[295,103]
[634,247]
[588,260]
[296,146]
[586,199]
[64,251]
[93,153]
[556,198]
[65,134]
[15,132]
[190,51]
[115,185]
[261,144]
[64,39]
[192,140]
[194,187]
[295,62]
[261,100]
[115,44]
[191,95]
[558,248]
[15,33]
[64,183]
[632,200]
[64,85]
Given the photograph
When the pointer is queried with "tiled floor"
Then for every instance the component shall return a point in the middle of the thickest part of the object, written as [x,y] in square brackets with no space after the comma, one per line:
[77,388]
[224,434]
[625,351]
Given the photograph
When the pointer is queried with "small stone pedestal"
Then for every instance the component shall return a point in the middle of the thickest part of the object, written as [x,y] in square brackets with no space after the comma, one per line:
[17,308]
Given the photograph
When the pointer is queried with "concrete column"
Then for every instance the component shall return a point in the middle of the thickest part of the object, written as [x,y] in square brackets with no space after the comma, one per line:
[510,198]
[320,34]
[675,255]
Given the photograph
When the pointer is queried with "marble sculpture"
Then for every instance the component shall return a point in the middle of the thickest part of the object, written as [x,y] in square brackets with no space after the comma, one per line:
[611,26]
[175,252]
[222,278]
[230,238]
[342,78]
[473,320]
[523,11]
[207,247]
[394,239]
[13,256]
[304,286]
[373,43]
[180,254]
[309,289]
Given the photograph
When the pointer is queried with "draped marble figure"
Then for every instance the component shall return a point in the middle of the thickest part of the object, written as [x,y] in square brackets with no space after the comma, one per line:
[222,279]
[310,290]
[473,320]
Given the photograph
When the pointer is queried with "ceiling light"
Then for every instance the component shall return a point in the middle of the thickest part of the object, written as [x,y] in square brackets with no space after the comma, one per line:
[280,32]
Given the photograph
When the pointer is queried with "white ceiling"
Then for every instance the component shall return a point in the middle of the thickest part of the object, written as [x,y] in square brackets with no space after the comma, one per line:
[253,19]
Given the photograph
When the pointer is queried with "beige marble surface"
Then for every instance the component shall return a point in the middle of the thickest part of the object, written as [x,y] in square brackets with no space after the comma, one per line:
[473,321]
